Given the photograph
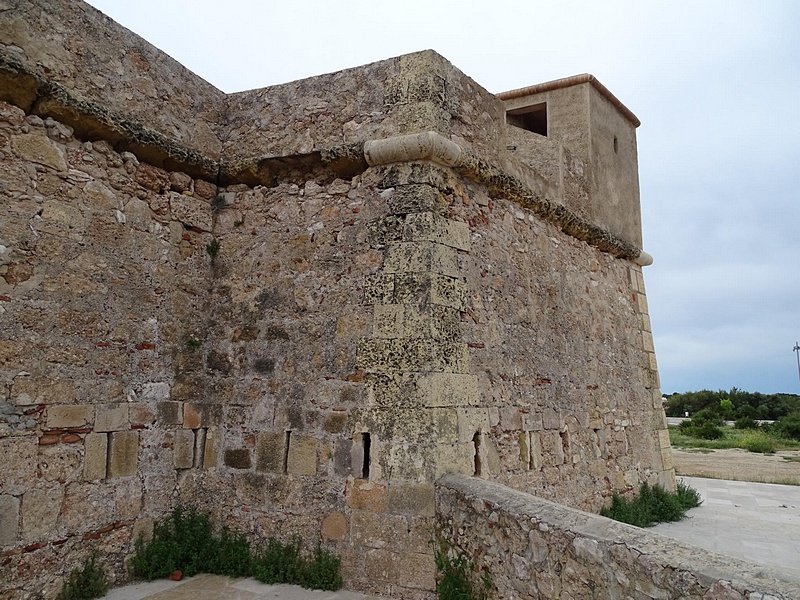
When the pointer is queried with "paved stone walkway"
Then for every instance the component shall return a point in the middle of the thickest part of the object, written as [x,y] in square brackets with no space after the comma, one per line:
[216,587]
[757,522]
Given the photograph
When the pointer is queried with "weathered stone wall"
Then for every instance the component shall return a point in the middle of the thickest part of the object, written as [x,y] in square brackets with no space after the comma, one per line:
[104,283]
[532,548]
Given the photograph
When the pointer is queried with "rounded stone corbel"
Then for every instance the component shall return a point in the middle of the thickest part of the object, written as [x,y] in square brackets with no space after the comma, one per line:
[427,145]
[644,259]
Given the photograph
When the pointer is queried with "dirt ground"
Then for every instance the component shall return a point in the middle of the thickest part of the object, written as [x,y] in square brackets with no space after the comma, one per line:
[740,465]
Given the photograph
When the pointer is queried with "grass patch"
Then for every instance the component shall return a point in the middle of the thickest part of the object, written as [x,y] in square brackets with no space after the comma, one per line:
[85,583]
[185,541]
[755,440]
[653,505]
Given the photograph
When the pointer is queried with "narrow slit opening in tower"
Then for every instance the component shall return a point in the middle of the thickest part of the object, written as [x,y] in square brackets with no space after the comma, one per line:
[286,442]
[366,444]
[530,118]
[476,442]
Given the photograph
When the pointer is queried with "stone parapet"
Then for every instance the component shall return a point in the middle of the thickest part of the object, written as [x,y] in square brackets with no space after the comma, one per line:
[532,548]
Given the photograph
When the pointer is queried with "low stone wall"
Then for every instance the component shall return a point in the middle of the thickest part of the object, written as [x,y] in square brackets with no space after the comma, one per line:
[533,548]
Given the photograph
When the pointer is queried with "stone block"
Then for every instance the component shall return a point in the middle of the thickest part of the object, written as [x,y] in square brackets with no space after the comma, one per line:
[378,530]
[551,418]
[385,230]
[459,458]
[40,150]
[141,413]
[382,565]
[61,416]
[20,463]
[270,449]
[641,303]
[112,417]
[210,447]
[124,453]
[361,494]
[302,455]
[532,421]
[237,458]
[27,391]
[429,226]
[448,389]
[412,498]
[663,438]
[9,519]
[58,219]
[155,392]
[40,510]
[448,291]
[342,457]
[183,449]
[201,415]
[472,421]
[421,257]
[510,418]
[647,341]
[535,450]
[378,289]
[100,197]
[416,198]
[552,448]
[95,456]
[335,422]
[388,321]
[169,413]
[408,425]
[334,527]
[418,571]
[192,211]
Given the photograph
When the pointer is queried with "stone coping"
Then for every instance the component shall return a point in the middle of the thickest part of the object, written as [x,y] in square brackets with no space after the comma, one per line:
[707,567]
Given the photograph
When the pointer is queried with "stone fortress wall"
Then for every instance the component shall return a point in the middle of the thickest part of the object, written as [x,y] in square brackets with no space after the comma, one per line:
[406,286]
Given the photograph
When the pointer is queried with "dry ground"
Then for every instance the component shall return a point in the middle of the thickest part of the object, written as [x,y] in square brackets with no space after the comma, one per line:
[739,465]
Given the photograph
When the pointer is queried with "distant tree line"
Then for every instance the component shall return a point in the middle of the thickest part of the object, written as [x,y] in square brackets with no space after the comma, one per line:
[734,404]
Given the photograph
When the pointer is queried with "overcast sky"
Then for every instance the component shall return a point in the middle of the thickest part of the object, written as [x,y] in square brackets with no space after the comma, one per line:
[716,85]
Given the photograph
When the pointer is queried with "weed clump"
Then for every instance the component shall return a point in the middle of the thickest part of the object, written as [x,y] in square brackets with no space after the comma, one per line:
[85,583]
[185,541]
[455,578]
[653,505]
[758,441]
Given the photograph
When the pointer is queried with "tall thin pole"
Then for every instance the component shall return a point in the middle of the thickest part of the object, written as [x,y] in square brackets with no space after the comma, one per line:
[796,350]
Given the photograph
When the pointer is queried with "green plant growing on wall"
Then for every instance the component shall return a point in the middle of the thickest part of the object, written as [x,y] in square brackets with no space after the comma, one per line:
[217,203]
[185,541]
[85,583]
[212,248]
[653,505]
[456,576]
[193,344]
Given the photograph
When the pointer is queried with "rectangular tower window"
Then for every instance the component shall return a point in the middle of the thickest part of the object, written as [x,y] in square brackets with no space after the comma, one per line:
[530,118]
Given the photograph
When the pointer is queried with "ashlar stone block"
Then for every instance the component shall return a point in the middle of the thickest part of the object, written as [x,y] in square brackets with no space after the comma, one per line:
[39,149]
[112,417]
[270,448]
[334,527]
[412,498]
[183,449]
[69,416]
[124,453]
[302,455]
[416,198]
[96,455]
[9,519]
[40,510]
[432,227]
[421,257]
